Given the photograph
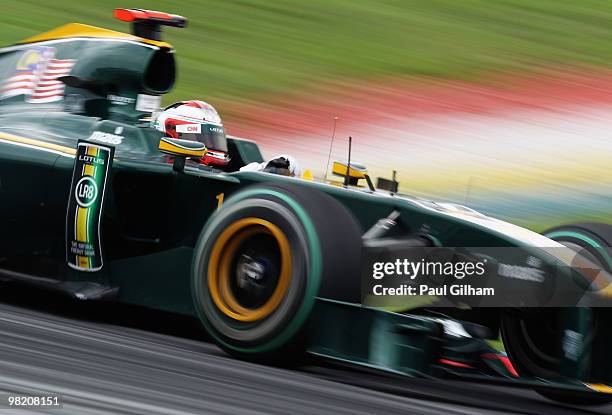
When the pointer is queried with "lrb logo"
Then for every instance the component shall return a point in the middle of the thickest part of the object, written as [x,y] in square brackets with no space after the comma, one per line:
[86,192]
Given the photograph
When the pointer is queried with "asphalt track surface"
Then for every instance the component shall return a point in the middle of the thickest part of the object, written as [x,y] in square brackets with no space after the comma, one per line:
[106,359]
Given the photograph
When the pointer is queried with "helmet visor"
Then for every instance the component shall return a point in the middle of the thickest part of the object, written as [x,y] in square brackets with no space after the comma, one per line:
[211,135]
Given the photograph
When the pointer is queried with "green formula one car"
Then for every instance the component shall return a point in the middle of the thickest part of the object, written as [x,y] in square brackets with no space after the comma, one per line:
[96,204]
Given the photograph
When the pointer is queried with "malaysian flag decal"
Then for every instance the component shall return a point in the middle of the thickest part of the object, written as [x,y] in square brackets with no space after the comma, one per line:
[36,76]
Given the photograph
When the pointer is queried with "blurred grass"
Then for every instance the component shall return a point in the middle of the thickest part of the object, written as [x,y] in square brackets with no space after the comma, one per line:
[252,48]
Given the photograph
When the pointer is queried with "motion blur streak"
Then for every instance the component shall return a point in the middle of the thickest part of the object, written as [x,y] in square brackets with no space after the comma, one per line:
[102,368]
[533,150]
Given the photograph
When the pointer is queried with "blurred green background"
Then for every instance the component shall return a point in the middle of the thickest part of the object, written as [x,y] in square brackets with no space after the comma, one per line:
[246,49]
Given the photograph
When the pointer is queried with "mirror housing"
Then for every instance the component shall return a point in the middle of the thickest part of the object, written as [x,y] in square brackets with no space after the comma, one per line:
[181,150]
[353,172]
[390,185]
[356,171]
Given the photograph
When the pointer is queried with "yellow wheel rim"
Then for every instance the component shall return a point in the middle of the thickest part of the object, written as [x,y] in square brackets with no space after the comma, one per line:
[219,267]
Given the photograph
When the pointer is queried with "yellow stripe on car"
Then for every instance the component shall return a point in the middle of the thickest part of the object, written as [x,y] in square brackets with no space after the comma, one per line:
[88,170]
[75,30]
[600,387]
[83,261]
[37,143]
[82,224]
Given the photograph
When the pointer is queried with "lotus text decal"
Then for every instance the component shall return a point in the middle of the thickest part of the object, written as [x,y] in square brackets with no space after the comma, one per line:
[83,239]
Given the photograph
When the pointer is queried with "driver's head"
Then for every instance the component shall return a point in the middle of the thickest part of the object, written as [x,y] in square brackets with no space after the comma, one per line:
[196,121]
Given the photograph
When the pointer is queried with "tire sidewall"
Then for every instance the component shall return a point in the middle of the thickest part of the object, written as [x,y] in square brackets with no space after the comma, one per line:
[302,228]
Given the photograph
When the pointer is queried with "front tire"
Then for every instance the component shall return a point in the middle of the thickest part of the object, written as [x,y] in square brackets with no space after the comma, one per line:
[533,338]
[263,258]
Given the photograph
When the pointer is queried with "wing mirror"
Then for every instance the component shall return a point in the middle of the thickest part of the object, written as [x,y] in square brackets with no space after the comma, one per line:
[352,173]
[181,150]
[389,185]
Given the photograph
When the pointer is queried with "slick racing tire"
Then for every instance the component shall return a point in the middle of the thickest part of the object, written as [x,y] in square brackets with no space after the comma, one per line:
[533,340]
[263,258]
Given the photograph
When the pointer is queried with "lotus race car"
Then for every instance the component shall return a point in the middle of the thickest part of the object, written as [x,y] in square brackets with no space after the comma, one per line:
[96,204]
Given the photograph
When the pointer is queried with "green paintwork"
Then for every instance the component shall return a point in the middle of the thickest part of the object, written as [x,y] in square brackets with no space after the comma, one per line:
[377,339]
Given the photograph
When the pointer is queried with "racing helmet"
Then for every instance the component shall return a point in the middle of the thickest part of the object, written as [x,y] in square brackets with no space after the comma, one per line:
[196,121]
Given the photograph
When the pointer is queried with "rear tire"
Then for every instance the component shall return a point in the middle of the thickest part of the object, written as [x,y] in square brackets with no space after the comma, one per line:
[263,258]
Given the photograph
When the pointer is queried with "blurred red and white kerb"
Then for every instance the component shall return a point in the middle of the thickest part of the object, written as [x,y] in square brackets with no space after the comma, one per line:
[534,147]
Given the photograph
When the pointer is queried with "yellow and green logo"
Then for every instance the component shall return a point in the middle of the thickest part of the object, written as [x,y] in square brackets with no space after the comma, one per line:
[83,239]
